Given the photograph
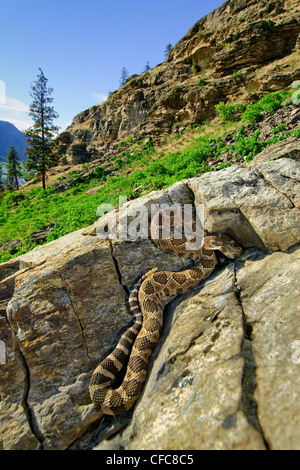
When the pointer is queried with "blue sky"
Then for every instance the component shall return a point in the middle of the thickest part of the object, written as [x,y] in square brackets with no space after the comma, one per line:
[82,47]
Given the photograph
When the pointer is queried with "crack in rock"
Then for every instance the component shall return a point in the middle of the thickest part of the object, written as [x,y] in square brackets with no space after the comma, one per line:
[28,411]
[248,404]
[117,270]
[80,324]
[273,186]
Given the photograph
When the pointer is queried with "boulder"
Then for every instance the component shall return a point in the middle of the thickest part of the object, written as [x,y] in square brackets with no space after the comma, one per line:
[226,347]
[224,376]
[11,245]
[41,234]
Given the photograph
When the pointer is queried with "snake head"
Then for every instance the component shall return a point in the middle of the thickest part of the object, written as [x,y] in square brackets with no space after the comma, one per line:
[223,243]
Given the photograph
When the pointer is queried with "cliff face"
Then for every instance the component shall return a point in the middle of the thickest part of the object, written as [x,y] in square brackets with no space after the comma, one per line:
[238,52]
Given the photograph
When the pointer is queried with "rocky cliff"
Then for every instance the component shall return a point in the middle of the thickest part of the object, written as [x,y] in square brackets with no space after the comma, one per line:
[225,373]
[239,52]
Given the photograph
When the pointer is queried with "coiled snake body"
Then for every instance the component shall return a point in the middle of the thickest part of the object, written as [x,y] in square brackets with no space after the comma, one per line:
[145,303]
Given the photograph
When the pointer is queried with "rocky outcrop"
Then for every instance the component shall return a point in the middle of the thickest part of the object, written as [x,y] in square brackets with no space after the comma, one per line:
[239,52]
[224,375]
[240,34]
[41,234]
[11,245]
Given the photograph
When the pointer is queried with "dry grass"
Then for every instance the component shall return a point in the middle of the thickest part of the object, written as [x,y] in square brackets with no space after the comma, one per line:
[288,63]
[52,176]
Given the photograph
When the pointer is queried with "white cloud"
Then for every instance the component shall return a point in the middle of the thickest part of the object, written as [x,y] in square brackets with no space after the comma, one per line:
[22,125]
[11,104]
[15,111]
[100,97]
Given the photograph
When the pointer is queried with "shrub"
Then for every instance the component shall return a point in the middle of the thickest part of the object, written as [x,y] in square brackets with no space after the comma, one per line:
[269,25]
[196,68]
[268,104]
[296,133]
[236,74]
[247,147]
[225,165]
[273,101]
[279,128]
[125,142]
[177,88]
[229,112]
[252,114]
[118,163]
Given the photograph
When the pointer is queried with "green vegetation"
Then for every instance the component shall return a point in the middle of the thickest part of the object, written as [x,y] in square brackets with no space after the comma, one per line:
[296,133]
[279,128]
[126,142]
[271,5]
[268,104]
[236,74]
[196,68]
[229,112]
[249,146]
[252,113]
[138,166]
[269,25]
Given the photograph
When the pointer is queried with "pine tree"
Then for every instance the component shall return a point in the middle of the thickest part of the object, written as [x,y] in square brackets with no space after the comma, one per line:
[2,182]
[167,50]
[124,76]
[147,67]
[13,166]
[39,156]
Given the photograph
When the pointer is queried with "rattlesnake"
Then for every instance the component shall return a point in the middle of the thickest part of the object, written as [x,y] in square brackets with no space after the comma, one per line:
[145,303]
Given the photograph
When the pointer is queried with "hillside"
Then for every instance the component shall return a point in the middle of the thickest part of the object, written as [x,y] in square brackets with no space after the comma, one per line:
[10,135]
[238,53]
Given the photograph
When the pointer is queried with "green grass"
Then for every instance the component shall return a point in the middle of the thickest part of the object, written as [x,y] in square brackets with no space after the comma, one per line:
[24,212]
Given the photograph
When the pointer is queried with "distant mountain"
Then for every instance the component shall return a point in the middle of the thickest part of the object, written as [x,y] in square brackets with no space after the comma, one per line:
[10,135]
